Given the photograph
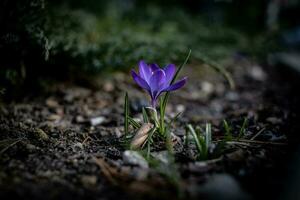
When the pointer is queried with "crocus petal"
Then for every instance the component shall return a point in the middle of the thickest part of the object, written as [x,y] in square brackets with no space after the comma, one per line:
[141,82]
[144,71]
[176,85]
[157,81]
[170,70]
[154,67]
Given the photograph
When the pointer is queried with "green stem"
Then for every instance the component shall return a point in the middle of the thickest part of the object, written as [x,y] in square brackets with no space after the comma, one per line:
[164,100]
[126,114]
[162,118]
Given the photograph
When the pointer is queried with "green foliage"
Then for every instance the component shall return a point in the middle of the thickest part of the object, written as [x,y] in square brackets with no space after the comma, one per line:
[43,37]
[22,39]
[243,129]
[126,114]
[230,134]
[228,131]
[163,101]
[202,141]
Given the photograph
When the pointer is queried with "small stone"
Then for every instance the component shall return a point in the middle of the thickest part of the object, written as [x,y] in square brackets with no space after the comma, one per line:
[97,120]
[52,103]
[162,156]
[89,180]
[274,120]
[118,132]
[257,73]
[232,96]
[54,117]
[31,147]
[79,119]
[214,188]
[78,146]
[180,108]
[134,158]
[40,134]
[207,87]
[108,86]
[139,173]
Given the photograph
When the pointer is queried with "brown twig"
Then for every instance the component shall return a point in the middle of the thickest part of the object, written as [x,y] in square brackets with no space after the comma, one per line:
[258,133]
[247,142]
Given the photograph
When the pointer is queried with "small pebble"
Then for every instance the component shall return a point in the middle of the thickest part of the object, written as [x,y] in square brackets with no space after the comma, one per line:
[134,158]
[97,120]
[40,134]
[78,146]
[89,180]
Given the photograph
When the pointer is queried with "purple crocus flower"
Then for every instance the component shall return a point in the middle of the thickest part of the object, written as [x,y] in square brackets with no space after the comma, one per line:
[156,80]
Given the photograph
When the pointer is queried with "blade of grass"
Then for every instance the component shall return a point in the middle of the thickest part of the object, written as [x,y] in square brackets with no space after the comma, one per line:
[228,135]
[145,116]
[164,102]
[186,141]
[243,129]
[208,135]
[133,122]
[8,143]
[216,66]
[149,141]
[174,118]
[162,117]
[126,114]
[169,144]
[196,139]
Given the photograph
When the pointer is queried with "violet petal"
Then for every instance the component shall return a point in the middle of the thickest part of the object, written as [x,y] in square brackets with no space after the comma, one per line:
[141,82]
[170,70]
[144,71]
[176,85]
[157,81]
[154,67]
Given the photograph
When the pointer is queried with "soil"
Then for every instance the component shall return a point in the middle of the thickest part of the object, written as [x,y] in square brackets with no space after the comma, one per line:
[69,143]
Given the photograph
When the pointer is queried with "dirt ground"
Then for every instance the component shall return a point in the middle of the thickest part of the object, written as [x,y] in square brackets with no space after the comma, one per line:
[68,143]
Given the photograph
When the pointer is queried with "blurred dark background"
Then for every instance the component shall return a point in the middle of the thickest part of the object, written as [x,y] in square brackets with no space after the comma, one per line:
[43,41]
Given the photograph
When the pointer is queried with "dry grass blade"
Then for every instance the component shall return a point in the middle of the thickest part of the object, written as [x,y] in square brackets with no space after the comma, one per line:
[106,169]
[141,136]
[8,143]
[258,133]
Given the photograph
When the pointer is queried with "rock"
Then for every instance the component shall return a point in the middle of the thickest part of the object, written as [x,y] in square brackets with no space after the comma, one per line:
[289,59]
[118,132]
[207,87]
[52,103]
[79,119]
[221,186]
[139,173]
[257,73]
[78,146]
[232,96]
[180,108]
[97,120]
[89,180]
[31,147]
[274,120]
[54,117]
[162,156]
[134,158]
[40,134]
[108,86]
